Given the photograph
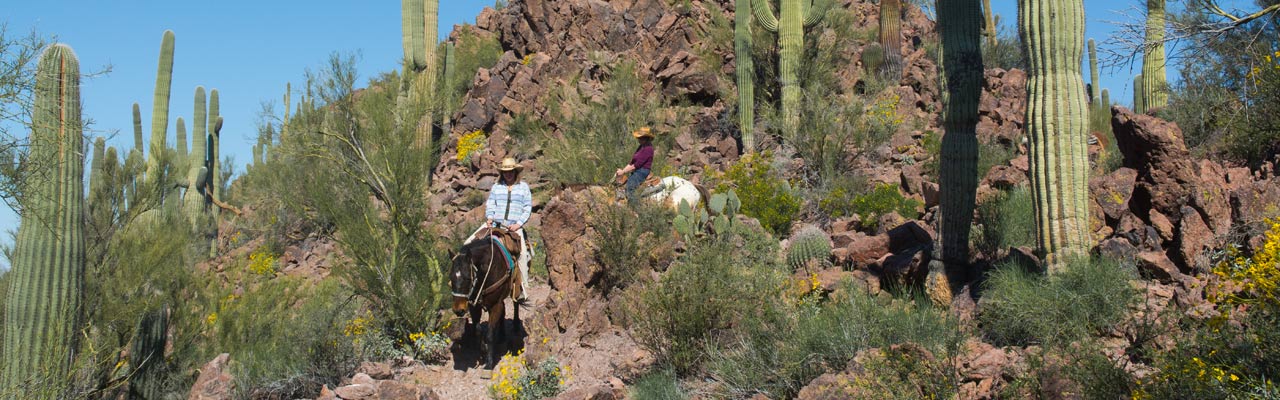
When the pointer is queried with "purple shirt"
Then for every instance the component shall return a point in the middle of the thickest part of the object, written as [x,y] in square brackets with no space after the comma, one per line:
[643,157]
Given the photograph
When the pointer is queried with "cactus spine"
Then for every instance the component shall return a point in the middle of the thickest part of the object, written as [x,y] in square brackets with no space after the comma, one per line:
[960,25]
[1093,74]
[160,108]
[1154,86]
[42,313]
[796,15]
[1139,95]
[891,37]
[1057,124]
[746,71]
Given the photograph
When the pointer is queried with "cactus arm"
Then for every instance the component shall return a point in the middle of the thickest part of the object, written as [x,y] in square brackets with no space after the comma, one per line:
[181,144]
[960,25]
[215,133]
[1139,95]
[1106,98]
[1057,125]
[1093,72]
[764,15]
[814,13]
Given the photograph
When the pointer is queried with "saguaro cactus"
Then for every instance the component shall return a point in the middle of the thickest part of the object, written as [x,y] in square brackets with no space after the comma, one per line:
[147,352]
[1057,123]
[746,71]
[411,25]
[181,144]
[137,128]
[42,313]
[989,24]
[1093,74]
[194,203]
[160,107]
[891,37]
[215,165]
[796,16]
[1106,99]
[960,24]
[1154,85]
[284,125]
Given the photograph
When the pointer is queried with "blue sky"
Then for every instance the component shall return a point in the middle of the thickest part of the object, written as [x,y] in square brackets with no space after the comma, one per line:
[248,50]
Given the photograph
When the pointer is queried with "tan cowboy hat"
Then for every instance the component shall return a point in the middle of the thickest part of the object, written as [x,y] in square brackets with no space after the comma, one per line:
[642,132]
[510,164]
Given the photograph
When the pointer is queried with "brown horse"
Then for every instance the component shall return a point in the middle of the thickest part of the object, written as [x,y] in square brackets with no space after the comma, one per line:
[482,278]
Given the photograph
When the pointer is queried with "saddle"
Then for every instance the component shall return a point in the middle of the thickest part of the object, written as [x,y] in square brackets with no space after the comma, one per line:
[508,239]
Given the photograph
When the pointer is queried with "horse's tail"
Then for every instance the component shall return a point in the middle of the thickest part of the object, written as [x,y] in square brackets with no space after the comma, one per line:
[706,197]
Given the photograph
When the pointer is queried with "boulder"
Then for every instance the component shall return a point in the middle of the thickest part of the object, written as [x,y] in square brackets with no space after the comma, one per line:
[1112,192]
[1167,174]
[215,381]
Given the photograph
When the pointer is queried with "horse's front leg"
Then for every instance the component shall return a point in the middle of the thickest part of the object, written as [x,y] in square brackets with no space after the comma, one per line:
[473,323]
[496,329]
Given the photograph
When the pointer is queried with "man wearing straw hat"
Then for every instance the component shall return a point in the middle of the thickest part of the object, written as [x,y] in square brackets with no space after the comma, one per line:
[641,161]
[510,204]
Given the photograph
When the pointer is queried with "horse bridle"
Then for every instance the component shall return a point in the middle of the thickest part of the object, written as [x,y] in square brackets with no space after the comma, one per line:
[475,272]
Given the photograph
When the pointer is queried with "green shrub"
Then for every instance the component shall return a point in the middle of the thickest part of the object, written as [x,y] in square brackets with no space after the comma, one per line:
[781,349]
[595,139]
[711,289]
[835,199]
[1008,220]
[991,155]
[658,385]
[472,53]
[765,195]
[638,238]
[882,200]
[931,141]
[1022,308]
[1007,53]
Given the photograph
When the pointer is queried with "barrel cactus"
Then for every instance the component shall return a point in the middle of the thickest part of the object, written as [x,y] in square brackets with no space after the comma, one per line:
[796,15]
[42,313]
[960,25]
[1057,125]
[808,245]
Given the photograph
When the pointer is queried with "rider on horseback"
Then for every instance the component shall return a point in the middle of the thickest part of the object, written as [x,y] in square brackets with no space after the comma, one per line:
[641,162]
[509,206]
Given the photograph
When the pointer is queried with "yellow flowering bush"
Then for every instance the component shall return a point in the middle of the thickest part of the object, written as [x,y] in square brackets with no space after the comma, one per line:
[358,326]
[262,262]
[469,144]
[431,347]
[1237,352]
[515,379]
[527,58]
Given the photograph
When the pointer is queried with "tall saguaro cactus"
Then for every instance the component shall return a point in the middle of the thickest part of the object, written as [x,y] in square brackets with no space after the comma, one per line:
[160,107]
[1057,123]
[411,24]
[796,15]
[746,71]
[891,37]
[960,25]
[989,24]
[42,313]
[215,165]
[1154,85]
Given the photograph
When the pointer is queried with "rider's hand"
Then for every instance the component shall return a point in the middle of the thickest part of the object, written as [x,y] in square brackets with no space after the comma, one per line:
[488,224]
[514,227]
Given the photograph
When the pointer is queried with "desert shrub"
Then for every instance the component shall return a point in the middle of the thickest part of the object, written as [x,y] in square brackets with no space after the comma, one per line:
[516,378]
[835,198]
[1022,308]
[1007,220]
[781,349]
[869,205]
[595,139]
[931,141]
[1006,53]
[658,385]
[525,131]
[904,371]
[765,195]
[706,292]
[1234,354]
[991,155]
[471,52]
[636,239]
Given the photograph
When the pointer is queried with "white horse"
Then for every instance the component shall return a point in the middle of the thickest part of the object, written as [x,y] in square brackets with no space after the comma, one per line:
[670,191]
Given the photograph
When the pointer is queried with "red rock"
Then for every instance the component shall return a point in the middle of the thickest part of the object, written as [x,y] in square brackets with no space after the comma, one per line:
[1194,238]
[356,392]
[1158,265]
[1256,201]
[1162,224]
[215,381]
[1005,177]
[864,250]
[1113,191]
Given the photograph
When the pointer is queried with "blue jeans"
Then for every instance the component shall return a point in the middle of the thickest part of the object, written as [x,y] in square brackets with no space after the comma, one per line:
[637,177]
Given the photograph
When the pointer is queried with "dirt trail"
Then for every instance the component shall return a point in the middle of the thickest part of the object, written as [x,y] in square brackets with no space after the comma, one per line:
[463,376]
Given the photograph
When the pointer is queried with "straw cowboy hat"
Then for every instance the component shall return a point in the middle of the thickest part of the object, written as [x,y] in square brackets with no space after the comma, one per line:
[642,132]
[510,164]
